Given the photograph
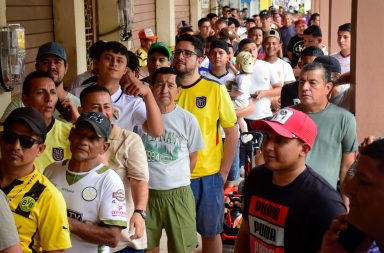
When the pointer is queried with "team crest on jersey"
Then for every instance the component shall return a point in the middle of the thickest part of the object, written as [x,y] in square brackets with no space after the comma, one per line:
[119,195]
[58,154]
[201,101]
[89,193]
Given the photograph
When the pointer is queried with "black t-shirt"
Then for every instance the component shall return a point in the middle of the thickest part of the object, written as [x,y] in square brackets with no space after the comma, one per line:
[292,218]
[295,45]
[290,94]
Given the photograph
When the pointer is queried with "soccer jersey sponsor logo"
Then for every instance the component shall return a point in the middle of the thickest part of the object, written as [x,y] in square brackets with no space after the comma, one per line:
[119,195]
[74,215]
[121,212]
[89,193]
[201,101]
[266,224]
[58,154]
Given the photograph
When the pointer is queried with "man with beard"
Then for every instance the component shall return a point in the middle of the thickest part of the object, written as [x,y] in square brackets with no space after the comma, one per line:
[212,106]
[51,58]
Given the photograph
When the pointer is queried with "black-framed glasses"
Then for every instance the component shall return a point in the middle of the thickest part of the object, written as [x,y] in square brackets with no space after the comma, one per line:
[25,141]
[186,53]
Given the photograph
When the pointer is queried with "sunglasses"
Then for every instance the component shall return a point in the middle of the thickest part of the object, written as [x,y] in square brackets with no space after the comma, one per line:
[25,141]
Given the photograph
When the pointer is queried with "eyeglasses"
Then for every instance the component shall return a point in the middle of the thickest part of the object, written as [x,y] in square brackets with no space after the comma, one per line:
[25,141]
[186,53]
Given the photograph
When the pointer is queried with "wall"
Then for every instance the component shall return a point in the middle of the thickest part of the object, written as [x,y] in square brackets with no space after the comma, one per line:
[182,12]
[340,13]
[367,66]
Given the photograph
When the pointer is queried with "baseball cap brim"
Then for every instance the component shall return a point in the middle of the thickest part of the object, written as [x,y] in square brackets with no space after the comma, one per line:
[86,122]
[278,128]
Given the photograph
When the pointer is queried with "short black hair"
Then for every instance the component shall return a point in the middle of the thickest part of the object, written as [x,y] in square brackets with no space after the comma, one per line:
[211,16]
[254,28]
[250,20]
[244,42]
[26,89]
[312,51]
[197,44]
[347,27]
[95,88]
[202,21]
[186,30]
[133,61]
[95,48]
[164,71]
[375,150]
[115,47]
[234,21]
[313,30]
[314,16]
[327,77]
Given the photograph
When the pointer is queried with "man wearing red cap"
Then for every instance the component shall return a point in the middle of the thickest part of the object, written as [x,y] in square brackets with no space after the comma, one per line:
[147,38]
[287,206]
[296,43]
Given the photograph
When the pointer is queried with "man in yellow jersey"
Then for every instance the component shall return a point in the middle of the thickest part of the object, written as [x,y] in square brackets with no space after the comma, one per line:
[39,92]
[38,207]
[210,103]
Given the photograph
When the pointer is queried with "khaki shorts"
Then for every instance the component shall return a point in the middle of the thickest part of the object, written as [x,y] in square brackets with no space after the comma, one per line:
[174,210]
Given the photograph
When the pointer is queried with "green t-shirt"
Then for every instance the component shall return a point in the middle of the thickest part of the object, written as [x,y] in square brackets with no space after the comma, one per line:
[336,135]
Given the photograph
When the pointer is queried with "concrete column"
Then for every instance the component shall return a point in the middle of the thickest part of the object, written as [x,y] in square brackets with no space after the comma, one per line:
[195,12]
[339,13]
[214,6]
[367,66]
[165,21]
[69,27]
[324,6]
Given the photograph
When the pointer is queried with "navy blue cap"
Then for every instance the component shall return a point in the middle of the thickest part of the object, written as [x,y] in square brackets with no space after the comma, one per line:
[329,62]
[98,121]
[52,48]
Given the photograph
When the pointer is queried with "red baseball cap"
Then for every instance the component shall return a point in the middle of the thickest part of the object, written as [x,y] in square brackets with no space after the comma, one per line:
[290,123]
[300,21]
[147,33]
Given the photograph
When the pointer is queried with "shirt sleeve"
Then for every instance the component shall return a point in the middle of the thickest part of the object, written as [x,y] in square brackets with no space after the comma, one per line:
[136,160]
[8,232]
[288,73]
[112,210]
[349,142]
[139,116]
[275,79]
[53,222]
[226,111]
[14,104]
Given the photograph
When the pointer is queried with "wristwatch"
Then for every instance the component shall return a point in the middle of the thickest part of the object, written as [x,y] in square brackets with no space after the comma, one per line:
[141,212]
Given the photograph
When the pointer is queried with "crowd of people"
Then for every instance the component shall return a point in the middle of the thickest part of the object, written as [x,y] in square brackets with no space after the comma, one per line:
[149,140]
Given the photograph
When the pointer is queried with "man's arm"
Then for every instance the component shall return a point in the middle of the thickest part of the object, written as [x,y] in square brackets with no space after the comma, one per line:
[230,145]
[13,249]
[192,160]
[246,111]
[153,125]
[346,162]
[242,239]
[95,233]
[274,91]
[139,189]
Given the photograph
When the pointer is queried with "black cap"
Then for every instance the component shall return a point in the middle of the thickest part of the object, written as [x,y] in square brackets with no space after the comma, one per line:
[219,44]
[30,116]
[264,14]
[329,62]
[98,121]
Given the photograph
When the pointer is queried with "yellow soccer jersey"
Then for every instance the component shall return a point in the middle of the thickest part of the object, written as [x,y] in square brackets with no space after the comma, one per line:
[57,145]
[40,213]
[212,106]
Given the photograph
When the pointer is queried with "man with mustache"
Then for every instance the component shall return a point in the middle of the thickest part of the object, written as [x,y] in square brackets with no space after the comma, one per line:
[52,59]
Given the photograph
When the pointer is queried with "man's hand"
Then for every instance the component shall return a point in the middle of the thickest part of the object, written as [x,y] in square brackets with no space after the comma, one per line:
[136,226]
[74,113]
[131,85]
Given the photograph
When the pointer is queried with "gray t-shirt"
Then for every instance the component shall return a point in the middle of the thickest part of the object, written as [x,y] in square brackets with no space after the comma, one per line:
[336,135]
[8,232]
[168,155]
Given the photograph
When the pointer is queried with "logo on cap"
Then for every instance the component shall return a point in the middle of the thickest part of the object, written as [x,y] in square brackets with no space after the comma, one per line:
[282,116]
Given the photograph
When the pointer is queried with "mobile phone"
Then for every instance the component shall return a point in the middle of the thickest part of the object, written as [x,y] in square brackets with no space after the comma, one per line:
[351,238]
[64,111]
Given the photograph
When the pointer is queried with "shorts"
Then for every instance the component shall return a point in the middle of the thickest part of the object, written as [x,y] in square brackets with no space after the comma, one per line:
[240,103]
[234,172]
[173,210]
[209,198]
[130,250]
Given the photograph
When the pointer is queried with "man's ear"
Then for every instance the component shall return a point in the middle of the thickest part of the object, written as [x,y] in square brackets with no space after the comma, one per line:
[41,149]
[80,109]
[24,99]
[305,149]
[106,145]
[329,86]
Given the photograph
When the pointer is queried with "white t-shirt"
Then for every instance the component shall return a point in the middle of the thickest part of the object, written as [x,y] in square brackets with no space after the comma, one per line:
[226,79]
[345,62]
[97,196]
[263,76]
[168,155]
[80,79]
[130,111]
[284,70]
[242,84]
